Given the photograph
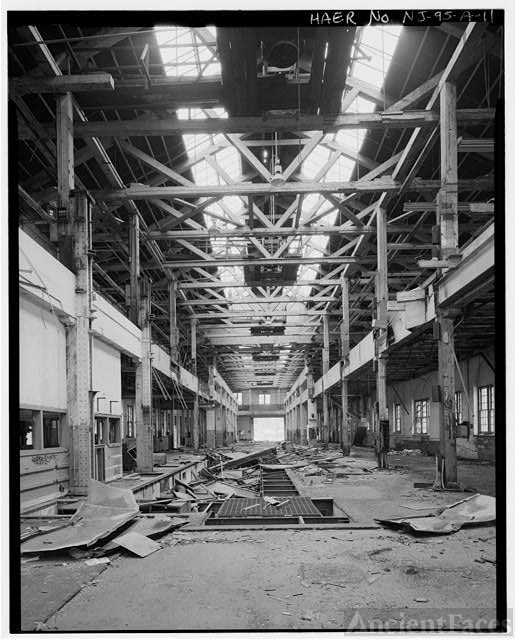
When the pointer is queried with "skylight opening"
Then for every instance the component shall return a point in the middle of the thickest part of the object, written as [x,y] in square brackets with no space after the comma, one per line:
[377,43]
[185,52]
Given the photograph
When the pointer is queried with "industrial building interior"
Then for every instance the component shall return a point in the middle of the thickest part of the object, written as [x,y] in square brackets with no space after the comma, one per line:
[251,257]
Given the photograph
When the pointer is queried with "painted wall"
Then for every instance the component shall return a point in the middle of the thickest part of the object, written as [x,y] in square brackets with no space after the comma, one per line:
[55,282]
[107,378]
[113,327]
[108,382]
[42,358]
[475,373]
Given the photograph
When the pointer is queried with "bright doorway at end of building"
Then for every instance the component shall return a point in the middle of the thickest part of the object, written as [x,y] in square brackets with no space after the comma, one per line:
[269,429]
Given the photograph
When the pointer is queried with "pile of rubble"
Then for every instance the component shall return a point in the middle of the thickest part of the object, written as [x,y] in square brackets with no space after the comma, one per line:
[112,519]
[322,461]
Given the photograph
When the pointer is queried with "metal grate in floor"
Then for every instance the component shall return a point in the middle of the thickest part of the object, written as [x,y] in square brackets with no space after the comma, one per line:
[243,507]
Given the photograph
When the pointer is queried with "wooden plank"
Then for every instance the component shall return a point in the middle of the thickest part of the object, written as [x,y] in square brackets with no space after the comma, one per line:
[154,164]
[61,84]
[249,124]
[447,199]
[64,143]
[417,94]
[138,192]
[249,156]
[240,262]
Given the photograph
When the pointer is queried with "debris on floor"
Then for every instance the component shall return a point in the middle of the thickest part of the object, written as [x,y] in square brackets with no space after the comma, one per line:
[472,511]
[149,526]
[137,543]
[106,510]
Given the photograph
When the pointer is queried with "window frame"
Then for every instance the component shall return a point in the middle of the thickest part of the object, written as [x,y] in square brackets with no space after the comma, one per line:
[38,419]
[129,422]
[489,410]
[458,407]
[264,399]
[421,422]
[397,417]
[117,439]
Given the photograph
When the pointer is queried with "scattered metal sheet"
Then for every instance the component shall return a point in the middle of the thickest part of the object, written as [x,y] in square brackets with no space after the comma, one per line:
[137,544]
[472,511]
[106,510]
[37,526]
[154,526]
[230,490]
[240,460]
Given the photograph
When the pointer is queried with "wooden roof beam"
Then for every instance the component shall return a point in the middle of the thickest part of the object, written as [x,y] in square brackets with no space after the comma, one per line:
[61,84]
[242,124]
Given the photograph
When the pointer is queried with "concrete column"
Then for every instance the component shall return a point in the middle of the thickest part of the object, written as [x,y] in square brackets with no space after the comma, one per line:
[79,354]
[143,385]
[325,369]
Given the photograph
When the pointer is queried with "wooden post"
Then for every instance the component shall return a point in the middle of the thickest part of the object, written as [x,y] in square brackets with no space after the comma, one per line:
[447,430]
[447,217]
[134,258]
[79,353]
[193,344]
[63,231]
[172,299]
[380,333]
[447,202]
[143,400]
[344,354]
[195,412]
[325,369]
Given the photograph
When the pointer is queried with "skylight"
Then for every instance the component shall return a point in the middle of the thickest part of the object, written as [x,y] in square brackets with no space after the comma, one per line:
[188,53]
[373,50]
[191,53]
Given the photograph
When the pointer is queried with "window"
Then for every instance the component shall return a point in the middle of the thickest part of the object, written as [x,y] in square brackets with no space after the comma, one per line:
[41,429]
[264,398]
[114,430]
[130,421]
[100,431]
[486,409]
[239,398]
[27,428]
[458,407]
[397,418]
[50,430]
[421,413]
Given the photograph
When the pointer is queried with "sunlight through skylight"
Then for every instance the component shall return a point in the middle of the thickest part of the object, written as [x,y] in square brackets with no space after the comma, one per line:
[191,53]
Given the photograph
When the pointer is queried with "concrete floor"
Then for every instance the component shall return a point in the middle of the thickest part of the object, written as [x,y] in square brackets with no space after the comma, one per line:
[286,580]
